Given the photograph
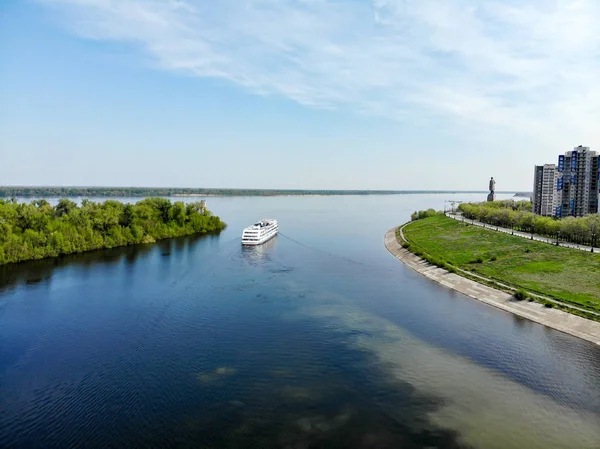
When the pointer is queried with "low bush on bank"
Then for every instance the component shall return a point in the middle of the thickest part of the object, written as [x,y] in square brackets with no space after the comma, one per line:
[421,214]
[521,295]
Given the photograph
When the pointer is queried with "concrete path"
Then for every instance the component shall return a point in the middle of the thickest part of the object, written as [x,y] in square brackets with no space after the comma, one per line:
[554,318]
[527,235]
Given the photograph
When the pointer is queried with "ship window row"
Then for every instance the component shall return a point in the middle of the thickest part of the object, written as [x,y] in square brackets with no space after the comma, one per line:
[255,236]
[258,232]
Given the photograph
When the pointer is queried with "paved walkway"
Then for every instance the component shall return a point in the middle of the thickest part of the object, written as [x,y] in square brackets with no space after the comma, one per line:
[554,318]
[527,235]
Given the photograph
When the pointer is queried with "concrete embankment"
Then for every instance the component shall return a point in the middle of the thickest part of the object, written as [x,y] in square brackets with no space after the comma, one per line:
[554,318]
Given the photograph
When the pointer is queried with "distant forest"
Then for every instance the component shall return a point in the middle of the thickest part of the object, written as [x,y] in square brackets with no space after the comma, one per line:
[39,230]
[62,192]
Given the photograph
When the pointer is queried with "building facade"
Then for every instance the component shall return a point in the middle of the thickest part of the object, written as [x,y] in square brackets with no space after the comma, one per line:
[578,184]
[545,194]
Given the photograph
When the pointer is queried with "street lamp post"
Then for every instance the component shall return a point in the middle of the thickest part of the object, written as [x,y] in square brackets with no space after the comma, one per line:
[593,240]
[557,237]
[532,230]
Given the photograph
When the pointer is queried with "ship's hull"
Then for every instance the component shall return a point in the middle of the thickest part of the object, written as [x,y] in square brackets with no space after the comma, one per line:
[261,241]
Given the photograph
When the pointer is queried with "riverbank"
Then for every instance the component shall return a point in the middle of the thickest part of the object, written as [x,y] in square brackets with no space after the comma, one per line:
[556,319]
[569,276]
[39,230]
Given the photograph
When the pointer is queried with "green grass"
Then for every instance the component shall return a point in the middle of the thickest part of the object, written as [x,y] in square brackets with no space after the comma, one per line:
[569,275]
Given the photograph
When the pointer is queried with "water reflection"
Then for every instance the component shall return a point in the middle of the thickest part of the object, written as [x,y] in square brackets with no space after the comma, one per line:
[40,271]
[257,255]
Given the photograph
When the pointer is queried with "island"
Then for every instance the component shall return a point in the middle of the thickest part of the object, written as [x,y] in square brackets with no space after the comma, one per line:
[37,230]
[541,281]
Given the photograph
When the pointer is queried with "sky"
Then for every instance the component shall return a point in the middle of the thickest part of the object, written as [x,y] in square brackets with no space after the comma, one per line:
[299,94]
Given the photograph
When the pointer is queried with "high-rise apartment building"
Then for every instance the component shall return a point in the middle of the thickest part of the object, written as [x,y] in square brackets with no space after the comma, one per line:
[545,194]
[578,184]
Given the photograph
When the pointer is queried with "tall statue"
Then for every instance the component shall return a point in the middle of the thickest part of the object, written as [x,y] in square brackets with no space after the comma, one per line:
[492,194]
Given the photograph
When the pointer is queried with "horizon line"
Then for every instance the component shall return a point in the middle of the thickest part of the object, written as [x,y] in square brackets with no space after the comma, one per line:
[251,188]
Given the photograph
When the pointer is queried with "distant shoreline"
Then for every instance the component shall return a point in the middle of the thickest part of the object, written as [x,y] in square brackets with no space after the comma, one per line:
[116,192]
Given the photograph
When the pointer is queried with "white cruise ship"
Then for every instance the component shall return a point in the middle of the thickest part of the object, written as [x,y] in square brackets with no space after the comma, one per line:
[260,232]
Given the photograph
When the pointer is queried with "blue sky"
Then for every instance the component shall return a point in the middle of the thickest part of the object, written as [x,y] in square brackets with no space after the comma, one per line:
[346,94]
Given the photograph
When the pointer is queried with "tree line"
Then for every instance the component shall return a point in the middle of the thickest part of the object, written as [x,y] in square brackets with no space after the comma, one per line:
[518,215]
[37,230]
[109,192]
[61,192]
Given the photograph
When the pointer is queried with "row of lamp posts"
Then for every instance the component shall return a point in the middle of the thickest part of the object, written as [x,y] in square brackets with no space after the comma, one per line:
[533,230]
[558,239]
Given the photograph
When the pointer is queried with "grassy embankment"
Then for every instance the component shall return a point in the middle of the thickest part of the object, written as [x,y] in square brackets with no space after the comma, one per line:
[568,275]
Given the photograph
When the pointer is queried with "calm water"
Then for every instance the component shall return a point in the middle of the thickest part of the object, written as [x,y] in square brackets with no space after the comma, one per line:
[318,339]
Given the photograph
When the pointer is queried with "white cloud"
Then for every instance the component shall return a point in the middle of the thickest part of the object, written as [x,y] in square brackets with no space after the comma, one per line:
[531,68]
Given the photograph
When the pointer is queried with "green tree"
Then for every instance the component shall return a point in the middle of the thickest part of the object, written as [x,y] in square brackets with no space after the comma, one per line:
[64,207]
[128,216]
[178,213]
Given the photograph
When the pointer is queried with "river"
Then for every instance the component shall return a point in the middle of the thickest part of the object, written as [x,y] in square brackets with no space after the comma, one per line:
[319,338]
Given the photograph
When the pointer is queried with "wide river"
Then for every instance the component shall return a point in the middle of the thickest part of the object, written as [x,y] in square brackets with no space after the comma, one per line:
[319,338]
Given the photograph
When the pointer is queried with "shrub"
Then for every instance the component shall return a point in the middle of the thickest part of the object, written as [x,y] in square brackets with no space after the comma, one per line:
[520,295]
[549,305]
[434,261]
[421,214]
[493,258]
[479,260]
